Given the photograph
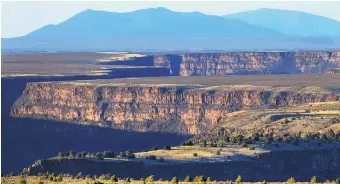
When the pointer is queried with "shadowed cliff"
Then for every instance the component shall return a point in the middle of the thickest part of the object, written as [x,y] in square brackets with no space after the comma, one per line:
[26,140]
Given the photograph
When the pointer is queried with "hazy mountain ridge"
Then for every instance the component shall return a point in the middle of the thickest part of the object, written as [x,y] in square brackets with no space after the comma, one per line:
[152,22]
[290,22]
[161,29]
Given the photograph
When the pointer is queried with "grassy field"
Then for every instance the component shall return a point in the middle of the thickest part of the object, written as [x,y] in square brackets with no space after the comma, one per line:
[57,69]
[118,56]
[186,153]
[59,64]
[36,180]
[67,57]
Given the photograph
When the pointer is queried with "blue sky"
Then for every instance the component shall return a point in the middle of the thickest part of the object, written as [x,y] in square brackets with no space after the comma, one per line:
[20,18]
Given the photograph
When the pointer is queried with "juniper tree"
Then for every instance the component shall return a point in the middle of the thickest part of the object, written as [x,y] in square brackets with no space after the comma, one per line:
[153,148]
[150,179]
[204,143]
[60,155]
[187,179]
[102,177]
[72,153]
[79,175]
[238,179]
[113,178]
[199,179]
[174,180]
[167,148]
[313,180]
[291,180]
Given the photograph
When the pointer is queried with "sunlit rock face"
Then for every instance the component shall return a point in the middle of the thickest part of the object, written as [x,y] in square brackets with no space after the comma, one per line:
[193,64]
[181,109]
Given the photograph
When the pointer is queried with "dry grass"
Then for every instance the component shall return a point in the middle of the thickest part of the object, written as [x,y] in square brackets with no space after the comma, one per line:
[119,56]
[185,153]
[57,64]
[35,179]
[317,120]
[246,121]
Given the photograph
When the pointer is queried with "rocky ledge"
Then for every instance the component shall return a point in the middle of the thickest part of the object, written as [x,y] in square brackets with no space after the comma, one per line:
[132,105]
[194,64]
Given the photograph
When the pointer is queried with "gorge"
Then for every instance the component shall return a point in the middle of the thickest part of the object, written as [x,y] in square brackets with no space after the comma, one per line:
[172,104]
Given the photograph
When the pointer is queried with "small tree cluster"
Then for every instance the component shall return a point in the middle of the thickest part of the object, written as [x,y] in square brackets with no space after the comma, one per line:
[237,139]
[335,120]
[153,148]
[110,177]
[167,148]
[199,179]
[51,177]
[22,180]
[113,178]
[150,179]
[151,157]
[188,143]
[255,136]
[83,154]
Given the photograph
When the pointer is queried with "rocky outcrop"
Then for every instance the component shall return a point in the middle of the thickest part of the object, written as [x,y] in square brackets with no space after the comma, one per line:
[271,166]
[193,64]
[170,108]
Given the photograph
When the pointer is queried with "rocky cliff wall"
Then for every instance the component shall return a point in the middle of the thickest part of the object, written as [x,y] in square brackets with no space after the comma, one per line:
[12,87]
[272,166]
[192,64]
[170,108]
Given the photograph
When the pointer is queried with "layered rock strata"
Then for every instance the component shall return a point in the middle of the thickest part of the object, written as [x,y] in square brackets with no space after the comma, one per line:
[193,64]
[170,108]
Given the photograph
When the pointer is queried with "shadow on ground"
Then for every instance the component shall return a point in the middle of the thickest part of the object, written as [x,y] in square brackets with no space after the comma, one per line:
[26,140]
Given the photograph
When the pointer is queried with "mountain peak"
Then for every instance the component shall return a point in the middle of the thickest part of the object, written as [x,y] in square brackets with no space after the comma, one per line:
[92,11]
[89,10]
[157,10]
[268,9]
[161,9]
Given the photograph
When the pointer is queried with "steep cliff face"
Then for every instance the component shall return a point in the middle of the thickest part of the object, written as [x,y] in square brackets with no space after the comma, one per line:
[272,166]
[192,64]
[171,108]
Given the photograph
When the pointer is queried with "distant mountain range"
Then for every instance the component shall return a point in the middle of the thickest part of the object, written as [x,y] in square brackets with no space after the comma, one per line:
[160,29]
[290,22]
